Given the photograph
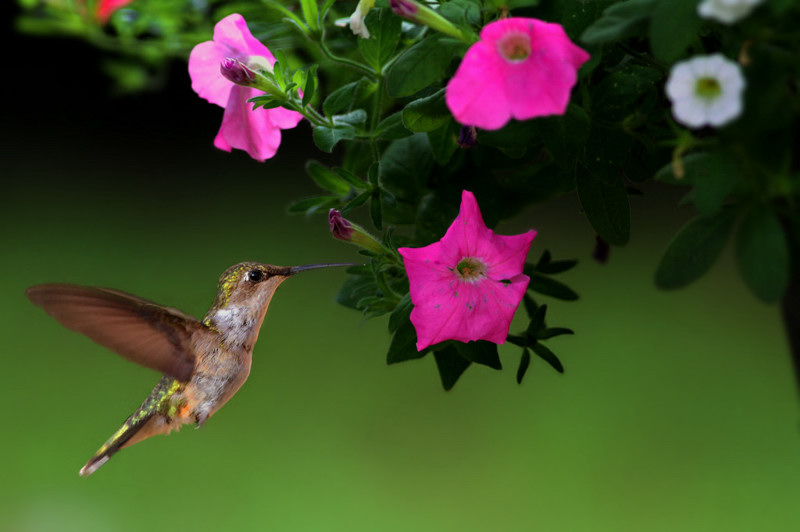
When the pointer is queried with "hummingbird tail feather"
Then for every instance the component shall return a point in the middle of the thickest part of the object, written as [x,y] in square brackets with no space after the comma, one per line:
[131,431]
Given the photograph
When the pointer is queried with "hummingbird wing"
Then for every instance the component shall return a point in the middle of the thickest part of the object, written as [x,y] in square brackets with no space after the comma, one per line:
[149,334]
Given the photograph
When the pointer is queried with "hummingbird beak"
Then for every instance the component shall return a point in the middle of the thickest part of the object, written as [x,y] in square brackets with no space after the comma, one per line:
[295,269]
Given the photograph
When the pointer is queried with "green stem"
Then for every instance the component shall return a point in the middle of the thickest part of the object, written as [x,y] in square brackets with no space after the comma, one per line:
[343,60]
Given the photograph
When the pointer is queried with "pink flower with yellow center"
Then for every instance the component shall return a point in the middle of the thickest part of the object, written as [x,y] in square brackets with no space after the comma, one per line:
[520,68]
[467,286]
[258,132]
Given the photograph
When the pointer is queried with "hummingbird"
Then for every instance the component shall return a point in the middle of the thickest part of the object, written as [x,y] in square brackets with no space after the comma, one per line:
[204,363]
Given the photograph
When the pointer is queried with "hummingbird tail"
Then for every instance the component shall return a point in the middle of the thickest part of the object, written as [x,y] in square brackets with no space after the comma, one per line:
[131,431]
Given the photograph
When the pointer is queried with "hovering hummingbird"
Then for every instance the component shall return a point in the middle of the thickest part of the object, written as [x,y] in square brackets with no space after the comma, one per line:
[204,362]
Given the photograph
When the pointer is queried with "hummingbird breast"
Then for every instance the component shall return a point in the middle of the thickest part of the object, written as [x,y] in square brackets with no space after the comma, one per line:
[220,371]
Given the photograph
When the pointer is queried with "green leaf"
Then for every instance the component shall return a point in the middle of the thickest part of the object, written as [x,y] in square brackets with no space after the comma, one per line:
[421,65]
[404,170]
[451,366]
[376,210]
[461,12]
[548,356]
[326,178]
[355,288]
[604,198]
[552,332]
[480,352]
[403,346]
[350,177]
[426,114]
[356,202]
[443,143]
[694,249]
[353,118]
[673,27]
[312,205]
[620,21]
[762,253]
[434,216]
[346,98]
[326,138]
[524,362]
[621,96]
[310,13]
[713,175]
[537,320]
[310,86]
[384,34]
[530,305]
[557,266]
[565,136]
[401,313]
[392,128]
[551,287]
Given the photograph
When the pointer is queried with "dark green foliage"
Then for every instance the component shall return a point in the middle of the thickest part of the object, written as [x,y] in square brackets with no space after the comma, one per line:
[451,365]
[694,249]
[421,65]
[379,106]
[762,252]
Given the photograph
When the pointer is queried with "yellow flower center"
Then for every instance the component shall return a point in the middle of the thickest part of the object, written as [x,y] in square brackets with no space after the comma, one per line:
[514,47]
[708,88]
[471,269]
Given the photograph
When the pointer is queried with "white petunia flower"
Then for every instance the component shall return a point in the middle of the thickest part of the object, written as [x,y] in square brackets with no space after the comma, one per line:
[726,11]
[705,90]
[357,25]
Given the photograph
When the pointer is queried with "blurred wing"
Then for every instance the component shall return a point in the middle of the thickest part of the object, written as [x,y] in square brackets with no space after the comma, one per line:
[149,334]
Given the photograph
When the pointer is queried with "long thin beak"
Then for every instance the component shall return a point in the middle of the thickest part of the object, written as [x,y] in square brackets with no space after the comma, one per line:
[295,269]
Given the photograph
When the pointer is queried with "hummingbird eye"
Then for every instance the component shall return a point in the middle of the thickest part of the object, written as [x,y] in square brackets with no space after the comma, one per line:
[255,276]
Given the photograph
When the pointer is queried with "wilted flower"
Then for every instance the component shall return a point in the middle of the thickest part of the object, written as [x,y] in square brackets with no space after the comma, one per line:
[726,11]
[521,68]
[258,131]
[356,23]
[468,285]
[705,90]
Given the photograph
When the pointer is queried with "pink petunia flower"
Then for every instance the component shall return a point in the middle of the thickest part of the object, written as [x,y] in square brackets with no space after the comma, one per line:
[258,132]
[521,68]
[468,285]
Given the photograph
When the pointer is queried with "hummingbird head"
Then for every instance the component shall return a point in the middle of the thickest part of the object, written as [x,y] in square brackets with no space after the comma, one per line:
[245,283]
[244,293]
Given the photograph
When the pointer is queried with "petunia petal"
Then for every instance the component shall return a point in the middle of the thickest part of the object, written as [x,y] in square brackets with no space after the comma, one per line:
[475,94]
[207,81]
[245,129]
[232,38]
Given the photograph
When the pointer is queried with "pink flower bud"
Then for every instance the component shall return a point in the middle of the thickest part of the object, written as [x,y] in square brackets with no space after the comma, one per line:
[346,230]
[404,8]
[468,137]
[340,228]
[236,71]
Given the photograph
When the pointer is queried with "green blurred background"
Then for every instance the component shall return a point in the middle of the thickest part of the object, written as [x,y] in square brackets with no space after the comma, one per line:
[677,411]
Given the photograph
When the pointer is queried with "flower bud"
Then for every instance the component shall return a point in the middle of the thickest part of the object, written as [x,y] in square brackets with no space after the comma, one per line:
[422,14]
[404,8]
[346,230]
[237,72]
[468,137]
[340,228]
